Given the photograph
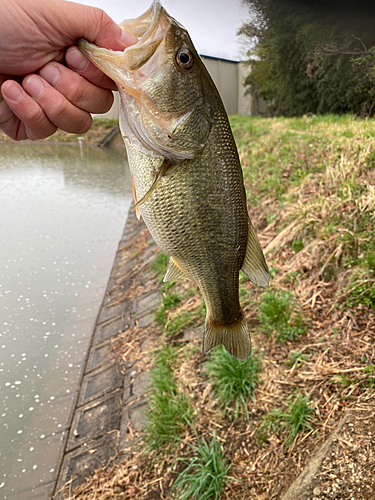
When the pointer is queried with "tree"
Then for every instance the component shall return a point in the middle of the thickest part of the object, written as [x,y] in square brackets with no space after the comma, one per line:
[306,57]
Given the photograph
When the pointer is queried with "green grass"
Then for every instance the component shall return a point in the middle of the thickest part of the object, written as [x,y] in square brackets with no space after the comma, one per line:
[369,370]
[205,474]
[233,381]
[170,300]
[295,357]
[160,265]
[279,312]
[170,411]
[362,293]
[288,424]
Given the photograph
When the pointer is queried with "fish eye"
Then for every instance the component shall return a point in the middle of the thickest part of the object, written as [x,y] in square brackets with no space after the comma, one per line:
[184,58]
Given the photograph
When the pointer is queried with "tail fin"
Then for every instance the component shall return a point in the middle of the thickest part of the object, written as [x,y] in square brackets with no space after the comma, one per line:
[235,337]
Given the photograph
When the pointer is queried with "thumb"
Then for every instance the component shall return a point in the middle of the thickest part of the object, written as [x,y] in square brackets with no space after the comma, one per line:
[95,25]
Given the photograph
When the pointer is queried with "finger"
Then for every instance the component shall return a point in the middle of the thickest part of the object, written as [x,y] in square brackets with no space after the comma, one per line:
[59,111]
[94,25]
[79,63]
[76,89]
[9,123]
[29,120]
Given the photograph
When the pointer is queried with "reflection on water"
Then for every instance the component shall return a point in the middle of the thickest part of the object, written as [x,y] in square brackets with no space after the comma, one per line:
[61,217]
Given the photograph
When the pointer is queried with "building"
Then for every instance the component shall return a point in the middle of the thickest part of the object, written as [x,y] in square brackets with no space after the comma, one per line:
[229,77]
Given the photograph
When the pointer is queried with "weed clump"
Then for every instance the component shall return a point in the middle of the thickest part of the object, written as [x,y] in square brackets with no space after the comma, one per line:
[233,380]
[205,474]
[278,312]
[170,412]
[288,424]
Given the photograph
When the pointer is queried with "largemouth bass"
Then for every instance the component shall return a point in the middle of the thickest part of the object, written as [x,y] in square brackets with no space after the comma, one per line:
[186,174]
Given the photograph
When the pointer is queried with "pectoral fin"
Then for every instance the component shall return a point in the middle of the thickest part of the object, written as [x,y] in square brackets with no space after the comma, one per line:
[137,211]
[254,265]
[174,272]
[159,175]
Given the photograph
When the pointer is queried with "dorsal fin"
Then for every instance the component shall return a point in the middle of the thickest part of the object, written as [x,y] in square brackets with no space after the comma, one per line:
[254,264]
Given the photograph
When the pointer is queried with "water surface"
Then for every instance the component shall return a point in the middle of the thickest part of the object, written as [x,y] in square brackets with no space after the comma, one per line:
[62,212]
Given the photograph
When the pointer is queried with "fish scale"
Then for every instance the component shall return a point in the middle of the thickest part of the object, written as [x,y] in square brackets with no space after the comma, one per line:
[186,174]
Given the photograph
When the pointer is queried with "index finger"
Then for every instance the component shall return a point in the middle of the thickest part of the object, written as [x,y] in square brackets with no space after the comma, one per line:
[81,65]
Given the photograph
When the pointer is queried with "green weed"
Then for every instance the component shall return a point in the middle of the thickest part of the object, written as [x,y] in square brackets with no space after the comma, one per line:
[170,300]
[180,322]
[170,412]
[160,265]
[288,424]
[233,381]
[362,293]
[297,245]
[295,357]
[369,370]
[279,312]
[205,474]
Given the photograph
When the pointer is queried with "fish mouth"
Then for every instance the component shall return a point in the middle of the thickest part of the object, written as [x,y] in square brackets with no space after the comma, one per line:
[150,29]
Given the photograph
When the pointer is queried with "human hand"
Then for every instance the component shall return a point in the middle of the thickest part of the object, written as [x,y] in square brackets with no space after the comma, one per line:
[46,83]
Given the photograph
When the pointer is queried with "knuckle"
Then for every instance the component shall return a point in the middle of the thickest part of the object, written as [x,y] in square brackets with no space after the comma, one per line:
[77,94]
[79,125]
[5,112]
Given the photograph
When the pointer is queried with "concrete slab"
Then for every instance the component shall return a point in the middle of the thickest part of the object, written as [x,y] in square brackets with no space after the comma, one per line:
[146,303]
[100,382]
[138,417]
[127,440]
[137,389]
[99,355]
[112,328]
[83,461]
[95,419]
[108,312]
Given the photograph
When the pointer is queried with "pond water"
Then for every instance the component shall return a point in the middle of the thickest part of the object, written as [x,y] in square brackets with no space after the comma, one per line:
[62,213]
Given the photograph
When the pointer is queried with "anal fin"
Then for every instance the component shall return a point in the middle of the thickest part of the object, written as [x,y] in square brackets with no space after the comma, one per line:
[254,264]
[174,272]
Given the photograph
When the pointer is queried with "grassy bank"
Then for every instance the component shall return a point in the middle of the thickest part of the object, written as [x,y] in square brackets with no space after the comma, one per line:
[246,429]
[99,128]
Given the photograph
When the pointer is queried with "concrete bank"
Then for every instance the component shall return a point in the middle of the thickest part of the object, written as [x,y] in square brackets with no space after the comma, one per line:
[113,393]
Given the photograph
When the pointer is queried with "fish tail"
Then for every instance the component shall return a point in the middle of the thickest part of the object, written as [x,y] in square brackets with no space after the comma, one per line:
[235,337]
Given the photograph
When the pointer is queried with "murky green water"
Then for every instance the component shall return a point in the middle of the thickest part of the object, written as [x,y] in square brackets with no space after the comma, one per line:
[62,212]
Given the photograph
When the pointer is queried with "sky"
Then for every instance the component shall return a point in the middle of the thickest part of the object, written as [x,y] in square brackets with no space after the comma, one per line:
[212,24]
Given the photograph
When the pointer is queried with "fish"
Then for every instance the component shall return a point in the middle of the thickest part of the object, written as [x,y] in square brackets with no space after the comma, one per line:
[186,173]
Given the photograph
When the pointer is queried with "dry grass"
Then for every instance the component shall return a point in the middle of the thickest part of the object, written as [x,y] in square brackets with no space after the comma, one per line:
[311,184]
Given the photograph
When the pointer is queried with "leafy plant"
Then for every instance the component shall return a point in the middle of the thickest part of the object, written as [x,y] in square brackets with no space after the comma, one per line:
[205,474]
[233,380]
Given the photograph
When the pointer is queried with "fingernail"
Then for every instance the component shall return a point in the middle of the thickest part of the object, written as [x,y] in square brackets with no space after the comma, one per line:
[128,38]
[76,60]
[51,74]
[34,86]
[13,92]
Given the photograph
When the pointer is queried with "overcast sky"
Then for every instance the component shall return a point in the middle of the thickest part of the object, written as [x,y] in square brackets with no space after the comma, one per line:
[212,24]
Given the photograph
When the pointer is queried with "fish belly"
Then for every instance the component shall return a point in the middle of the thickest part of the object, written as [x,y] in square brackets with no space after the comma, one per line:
[197,215]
